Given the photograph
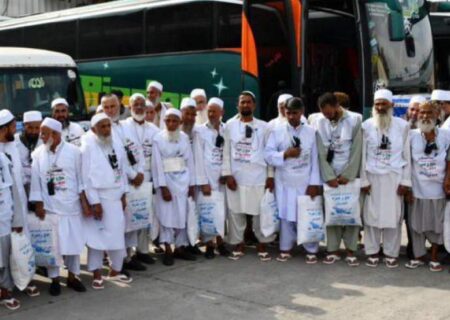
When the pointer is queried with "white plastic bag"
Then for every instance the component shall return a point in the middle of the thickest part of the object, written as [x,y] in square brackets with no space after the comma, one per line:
[139,211]
[192,222]
[269,220]
[342,204]
[447,226]
[309,219]
[22,260]
[211,213]
[44,239]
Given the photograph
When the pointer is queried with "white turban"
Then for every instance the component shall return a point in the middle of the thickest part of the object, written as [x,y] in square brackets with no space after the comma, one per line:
[99,109]
[98,117]
[216,101]
[57,101]
[155,84]
[53,124]
[284,97]
[5,117]
[417,99]
[149,104]
[440,95]
[32,116]
[136,96]
[383,94]
[188,102]
[198,93]
[172,111]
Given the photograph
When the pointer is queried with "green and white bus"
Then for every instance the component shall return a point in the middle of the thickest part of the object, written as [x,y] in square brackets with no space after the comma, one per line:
[267,46]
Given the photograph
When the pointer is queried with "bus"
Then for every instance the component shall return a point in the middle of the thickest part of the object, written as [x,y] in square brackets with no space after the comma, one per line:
[440,25]
[305,47]
[30,79]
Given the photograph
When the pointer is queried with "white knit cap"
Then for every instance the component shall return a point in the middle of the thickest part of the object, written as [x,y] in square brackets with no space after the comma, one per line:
[5,117]
[216,101]
[155,84]
[172,111]
[149,104]
[188,103]
[32,116]
[135,96]
[198,93]
[98,117]
[284,97]
[57,101]
[383,94]
[440,95]
[53,124]
[417,99]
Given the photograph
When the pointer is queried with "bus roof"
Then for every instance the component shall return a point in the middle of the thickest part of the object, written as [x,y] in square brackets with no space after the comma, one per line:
[25,57]
[102,9]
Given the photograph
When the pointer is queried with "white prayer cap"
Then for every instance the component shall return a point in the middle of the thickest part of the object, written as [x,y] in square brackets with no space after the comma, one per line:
[99,109]
[173,111]
[383,94]
[216,101]
[417,99]
[135,96]
[149,104]
[284,97]
[53,124]
[440,95]
[57,101]
[5,117]
[198,93]
[155,84]
[98,117]
[32,116]
[187,103]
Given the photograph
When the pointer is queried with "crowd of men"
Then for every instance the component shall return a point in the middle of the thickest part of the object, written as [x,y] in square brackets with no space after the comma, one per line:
[53,168]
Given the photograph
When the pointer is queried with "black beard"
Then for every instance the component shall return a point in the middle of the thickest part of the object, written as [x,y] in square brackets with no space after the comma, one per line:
[246,113]
[32,138]
[9,137]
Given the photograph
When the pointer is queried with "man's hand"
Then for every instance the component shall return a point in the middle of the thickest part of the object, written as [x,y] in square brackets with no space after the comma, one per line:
[409,197]
[270,184]
[123,199]
[342,180]
[206,189]
[292,153]
[402,190]
[447,186]
[39,210]
[231,183]
[97,211]
[166,195]
[366,190]
[222,180]
[334,183]
[191,192]
[17,229]
[138,180]
[313,191]
[87,211]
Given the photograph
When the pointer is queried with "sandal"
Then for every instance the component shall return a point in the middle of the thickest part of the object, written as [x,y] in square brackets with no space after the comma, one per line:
[264,256]
[414,264]
[283,257]
[97,284]
[331,258]
[435,266]
[119,278]
[311,259]
[391,263]
[352,261]
[32,291]
[10,303]
[236,255]
[372,262]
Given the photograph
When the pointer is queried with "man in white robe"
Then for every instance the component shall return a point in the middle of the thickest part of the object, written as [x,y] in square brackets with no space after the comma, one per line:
[174,180]
[292,150]
[412,114]
[72,132]
[208,155]
[57,189]
[385,179]
[103,171]
[150,112]
[247,174]
[430,184]
[199,95]
[154,93]
[339,141]
[11,214]
[188,115]
[281,119]
[441,102]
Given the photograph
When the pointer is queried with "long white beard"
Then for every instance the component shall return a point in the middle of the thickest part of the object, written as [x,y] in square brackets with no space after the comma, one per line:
[106,141]
[172,136]
[382,121]
[138,117]
[156,101]
[427,126]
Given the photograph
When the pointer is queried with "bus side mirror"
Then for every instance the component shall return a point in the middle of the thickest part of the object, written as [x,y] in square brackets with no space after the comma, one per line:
[396,26]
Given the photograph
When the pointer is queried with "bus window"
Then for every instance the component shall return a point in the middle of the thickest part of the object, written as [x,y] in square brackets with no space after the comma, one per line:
[185,27]
[111,36]
[59,37]
[11,38]
[229,24]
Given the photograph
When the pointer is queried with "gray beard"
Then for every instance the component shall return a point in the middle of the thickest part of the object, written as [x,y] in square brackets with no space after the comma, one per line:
[412,123]
[172,136]
[382,121]
[105,141]
[426,127]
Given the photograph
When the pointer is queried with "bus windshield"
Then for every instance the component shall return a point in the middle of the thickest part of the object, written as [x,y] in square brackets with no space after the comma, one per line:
[405,61]
[24,89]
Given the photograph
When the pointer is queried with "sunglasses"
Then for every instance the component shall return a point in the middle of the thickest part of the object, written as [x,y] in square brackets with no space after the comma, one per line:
[430,147]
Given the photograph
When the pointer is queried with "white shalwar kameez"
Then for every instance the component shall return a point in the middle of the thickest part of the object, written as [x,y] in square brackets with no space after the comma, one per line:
[73,133]
[172,167]
[384,170]
[63,167]
[25,159]
[104,185]
[243,158]
[292,177]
